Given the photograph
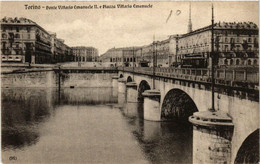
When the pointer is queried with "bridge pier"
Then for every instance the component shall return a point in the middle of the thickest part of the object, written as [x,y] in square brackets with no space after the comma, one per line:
[152,105]
[115,81]
[121,85]
[131,92]
[212,134]
[130,110]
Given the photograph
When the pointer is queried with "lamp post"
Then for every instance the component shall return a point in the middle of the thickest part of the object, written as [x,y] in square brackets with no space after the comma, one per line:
[123,61]
[153,65]
[212,61]
[154,61]
[133,63]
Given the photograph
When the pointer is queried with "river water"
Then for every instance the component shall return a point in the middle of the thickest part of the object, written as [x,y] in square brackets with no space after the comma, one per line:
[86,125]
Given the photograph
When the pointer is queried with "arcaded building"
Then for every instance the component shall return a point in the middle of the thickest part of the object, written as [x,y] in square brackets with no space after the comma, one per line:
[24,41]
[84,54]
[235,45]
[127,56]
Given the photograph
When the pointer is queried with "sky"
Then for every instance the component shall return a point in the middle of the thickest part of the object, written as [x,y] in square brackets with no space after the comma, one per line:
[107,28]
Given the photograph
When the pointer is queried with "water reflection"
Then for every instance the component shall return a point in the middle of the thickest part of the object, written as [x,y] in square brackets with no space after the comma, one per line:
[87,96]
[45,125]
[121,99]
[22,110]
[162,142]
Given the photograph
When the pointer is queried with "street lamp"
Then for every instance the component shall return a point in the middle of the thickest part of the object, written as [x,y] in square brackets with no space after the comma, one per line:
[212,61]
[133,62]
[154,61]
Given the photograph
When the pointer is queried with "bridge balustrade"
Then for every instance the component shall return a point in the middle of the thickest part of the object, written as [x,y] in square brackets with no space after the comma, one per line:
[238,75]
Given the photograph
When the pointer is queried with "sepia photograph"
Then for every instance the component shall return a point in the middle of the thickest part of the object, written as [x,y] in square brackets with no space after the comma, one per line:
[129,82]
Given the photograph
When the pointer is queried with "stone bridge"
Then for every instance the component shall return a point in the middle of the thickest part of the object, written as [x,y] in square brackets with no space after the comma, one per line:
[223,136]
[229,135]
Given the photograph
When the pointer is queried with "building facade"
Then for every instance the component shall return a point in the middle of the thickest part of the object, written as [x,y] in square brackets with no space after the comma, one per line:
[84,54]
[235,45]
[24,41]
[127,56]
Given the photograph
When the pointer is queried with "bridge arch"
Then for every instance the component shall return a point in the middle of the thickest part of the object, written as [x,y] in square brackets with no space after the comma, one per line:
[129,79]
[143,86]
[177,106]
[249,150]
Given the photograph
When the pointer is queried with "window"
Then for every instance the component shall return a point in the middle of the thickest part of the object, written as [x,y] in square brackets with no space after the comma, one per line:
[4,45]
[226,62]
[237,62]
[237,47]
[226,40]
[249,62]
[255,62]
[4,36]
[17,29]
[226,48]
[28,29]
[17,36]
[226,33]
[249,40]
[231,61]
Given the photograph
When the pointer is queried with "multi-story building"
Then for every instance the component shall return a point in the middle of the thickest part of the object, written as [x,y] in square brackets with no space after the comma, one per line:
[235,44]
[126,56]
[162,50]
[68,54]
[24,41]
[59,49]
[85,54]
[158,50]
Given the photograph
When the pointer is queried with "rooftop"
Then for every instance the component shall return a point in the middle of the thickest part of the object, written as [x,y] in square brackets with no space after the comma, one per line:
[226,26]
[82,47]
[16,20]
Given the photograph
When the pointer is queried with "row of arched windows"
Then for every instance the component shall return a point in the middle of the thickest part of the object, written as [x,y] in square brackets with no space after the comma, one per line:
[240,62]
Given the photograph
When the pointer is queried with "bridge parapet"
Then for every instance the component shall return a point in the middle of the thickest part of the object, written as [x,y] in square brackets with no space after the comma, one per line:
[237,77]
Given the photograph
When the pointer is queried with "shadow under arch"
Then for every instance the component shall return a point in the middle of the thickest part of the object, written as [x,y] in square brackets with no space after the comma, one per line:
[129,79]
[249,150]
[143,86]
[177,106]
[121,76]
